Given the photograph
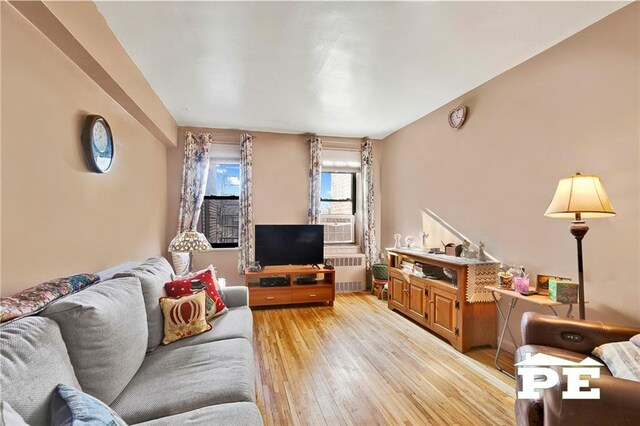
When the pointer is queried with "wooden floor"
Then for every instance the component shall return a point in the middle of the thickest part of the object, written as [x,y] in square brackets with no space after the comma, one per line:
[360,363]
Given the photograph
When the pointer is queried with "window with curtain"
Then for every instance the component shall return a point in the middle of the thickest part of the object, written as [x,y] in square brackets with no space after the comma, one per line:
[339,207]
[221,208]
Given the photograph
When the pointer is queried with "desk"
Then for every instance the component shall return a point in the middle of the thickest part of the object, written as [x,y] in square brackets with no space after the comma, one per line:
[541,300]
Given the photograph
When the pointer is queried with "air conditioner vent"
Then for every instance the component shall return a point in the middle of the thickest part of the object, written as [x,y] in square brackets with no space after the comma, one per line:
[338,228]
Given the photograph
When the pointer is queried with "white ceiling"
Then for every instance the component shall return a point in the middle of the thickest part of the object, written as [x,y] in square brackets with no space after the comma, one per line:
[331,68]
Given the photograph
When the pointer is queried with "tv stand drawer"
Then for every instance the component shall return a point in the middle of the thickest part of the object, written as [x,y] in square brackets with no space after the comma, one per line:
[271,296]
[311,294]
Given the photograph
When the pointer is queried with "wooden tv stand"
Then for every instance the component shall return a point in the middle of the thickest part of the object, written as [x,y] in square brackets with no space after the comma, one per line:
[324,290]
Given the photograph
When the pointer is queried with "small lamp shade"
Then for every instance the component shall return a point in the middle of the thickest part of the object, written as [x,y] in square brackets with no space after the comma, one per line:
[583,194]
[189,242]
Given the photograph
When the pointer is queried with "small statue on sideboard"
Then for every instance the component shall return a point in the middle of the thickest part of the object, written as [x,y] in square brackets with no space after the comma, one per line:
[397,238]
[482,255]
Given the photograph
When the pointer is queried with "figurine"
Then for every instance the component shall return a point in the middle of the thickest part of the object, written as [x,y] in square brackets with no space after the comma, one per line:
[423,239]
[397,238]
[467,251]
[409,241]
[465,247]
[482,255]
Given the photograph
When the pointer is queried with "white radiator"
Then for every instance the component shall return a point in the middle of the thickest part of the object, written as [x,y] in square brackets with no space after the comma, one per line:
[350,272]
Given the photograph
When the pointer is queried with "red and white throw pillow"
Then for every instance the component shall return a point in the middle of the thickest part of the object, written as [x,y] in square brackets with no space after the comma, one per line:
[211,268]
[184,286]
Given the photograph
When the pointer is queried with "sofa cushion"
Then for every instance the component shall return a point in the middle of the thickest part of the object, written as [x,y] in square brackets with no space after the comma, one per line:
[73,407]
[153,274]
[33,361]
[233,414]
[184,317]
[185,379]
[9,417]
[105,330]
[237,323]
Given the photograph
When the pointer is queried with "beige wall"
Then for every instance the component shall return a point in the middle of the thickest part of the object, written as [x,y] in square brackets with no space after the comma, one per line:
[57,217]
[575,107]
[280,185]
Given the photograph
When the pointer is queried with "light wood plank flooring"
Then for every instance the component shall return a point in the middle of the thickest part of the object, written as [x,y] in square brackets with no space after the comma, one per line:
[360,363]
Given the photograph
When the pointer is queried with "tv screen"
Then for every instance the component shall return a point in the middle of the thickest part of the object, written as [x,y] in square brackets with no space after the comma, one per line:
[289,244]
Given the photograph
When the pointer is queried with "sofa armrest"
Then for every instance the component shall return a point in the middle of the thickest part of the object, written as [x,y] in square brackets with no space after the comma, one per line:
[235,297]
[574,335]
[618,404]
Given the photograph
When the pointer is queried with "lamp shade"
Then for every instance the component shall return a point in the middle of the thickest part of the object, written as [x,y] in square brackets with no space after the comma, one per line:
[582,194]
[189,242]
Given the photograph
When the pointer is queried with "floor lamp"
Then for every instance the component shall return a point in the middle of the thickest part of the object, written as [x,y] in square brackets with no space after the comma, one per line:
[579,197]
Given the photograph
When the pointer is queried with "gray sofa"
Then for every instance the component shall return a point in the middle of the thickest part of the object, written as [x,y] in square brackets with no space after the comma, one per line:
[106,340]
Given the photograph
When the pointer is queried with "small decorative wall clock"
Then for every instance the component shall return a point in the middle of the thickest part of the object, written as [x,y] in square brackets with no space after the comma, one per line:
[97,142]
[457,116]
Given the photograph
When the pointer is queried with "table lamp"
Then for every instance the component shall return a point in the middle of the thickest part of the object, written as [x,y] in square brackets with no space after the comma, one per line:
[580,196]
[189,242]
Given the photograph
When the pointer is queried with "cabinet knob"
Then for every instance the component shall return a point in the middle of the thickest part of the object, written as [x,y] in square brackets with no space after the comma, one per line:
[270,297]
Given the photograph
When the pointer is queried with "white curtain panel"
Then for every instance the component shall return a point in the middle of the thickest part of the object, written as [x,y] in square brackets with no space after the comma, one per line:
[246,238]
[369,244]
[315,173]
[194,183]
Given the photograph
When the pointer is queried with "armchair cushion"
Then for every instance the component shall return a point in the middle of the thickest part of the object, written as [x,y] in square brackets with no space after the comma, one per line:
[618,404]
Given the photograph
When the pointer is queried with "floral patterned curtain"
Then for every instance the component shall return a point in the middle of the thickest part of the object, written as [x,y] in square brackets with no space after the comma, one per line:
[315,172]
[194,183]
[369,223]
[246,239]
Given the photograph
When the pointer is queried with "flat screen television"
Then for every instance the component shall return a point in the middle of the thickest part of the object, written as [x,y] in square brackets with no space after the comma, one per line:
[289,244]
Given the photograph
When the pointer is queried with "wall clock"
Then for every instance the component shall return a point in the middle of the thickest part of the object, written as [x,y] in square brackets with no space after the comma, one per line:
[457,116]
[97,142]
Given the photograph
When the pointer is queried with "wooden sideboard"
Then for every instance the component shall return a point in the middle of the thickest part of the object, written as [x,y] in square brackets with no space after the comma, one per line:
[324,290]
[438,302]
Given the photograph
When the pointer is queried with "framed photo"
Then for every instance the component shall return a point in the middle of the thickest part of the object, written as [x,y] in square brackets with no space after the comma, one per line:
[542,282]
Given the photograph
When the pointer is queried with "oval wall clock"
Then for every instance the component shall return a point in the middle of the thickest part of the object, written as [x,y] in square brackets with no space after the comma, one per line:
[97,142]
[457,116]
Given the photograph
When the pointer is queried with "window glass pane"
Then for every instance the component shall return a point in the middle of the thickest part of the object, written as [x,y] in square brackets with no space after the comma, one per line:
[219,220]
[224,179]
[336,207]
[336,186]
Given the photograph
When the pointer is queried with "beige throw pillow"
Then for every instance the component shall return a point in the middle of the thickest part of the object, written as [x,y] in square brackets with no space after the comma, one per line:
[184,316]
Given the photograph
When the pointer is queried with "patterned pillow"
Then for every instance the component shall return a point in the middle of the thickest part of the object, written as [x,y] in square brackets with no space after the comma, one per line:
[622,358]
[36,298]
[183,316]
[211,268]
[214,304]
[71,407]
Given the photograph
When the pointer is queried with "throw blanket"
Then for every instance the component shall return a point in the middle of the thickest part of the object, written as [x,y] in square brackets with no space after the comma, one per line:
[479,276]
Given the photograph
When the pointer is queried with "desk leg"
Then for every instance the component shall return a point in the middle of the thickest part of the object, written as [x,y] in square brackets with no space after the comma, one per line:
[505,327]
[569,311]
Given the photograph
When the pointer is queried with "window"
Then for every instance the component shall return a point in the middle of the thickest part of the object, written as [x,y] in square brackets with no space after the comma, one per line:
[219,216]
[338,206]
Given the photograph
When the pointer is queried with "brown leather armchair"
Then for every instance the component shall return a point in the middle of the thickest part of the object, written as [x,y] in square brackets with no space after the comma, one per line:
[619,402]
